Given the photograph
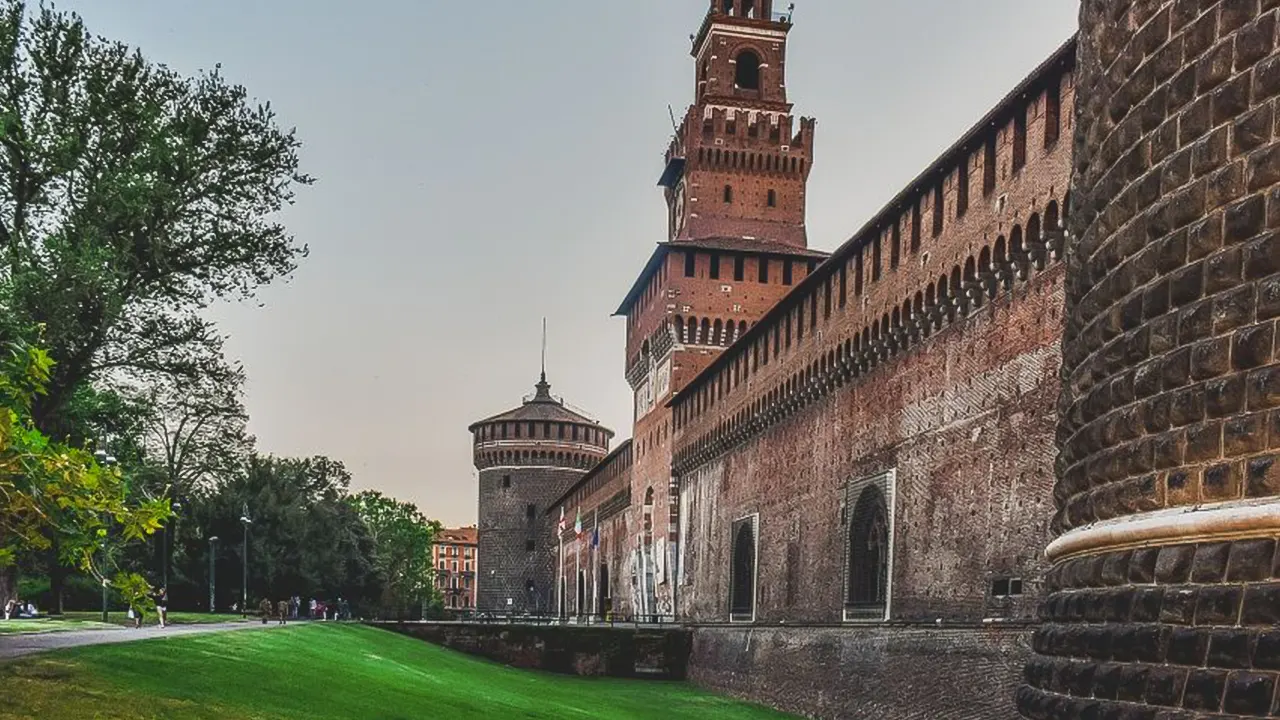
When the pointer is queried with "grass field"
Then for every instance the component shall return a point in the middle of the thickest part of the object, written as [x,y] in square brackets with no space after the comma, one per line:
[176,618]
[44,625]
[93,621]
[323,672]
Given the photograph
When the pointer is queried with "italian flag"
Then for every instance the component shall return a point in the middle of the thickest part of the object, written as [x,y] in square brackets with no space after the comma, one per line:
[563,523]
[577,524]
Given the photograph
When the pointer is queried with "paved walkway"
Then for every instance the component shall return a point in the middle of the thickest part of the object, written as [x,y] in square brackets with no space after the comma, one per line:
[12,646]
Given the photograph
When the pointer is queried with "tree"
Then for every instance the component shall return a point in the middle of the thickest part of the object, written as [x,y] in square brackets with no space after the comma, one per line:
[305,539]
[403,538]
[131,197]
[52,491]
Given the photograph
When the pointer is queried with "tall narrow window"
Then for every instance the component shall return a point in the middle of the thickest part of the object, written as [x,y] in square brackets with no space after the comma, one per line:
[989,165]
[857,273]
[962,186]
[773,198]
[728,193]
[1019,139]
[800,322]
[746,74]
[875,257]
[715,266]
[739,268]
[786,272]
[915,225]
[937,209]
[895,248]
[1052,112]
[763,273]
[868,552]
[742,572]
[690,263]
[844,283]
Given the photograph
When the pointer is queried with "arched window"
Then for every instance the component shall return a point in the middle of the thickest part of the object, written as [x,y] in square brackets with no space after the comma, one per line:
[747,74]
[742,600]
[748,7]
[648,515]
[728,7]
[868,555]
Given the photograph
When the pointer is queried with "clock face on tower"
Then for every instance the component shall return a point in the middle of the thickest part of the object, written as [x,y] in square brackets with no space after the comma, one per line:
[678,206]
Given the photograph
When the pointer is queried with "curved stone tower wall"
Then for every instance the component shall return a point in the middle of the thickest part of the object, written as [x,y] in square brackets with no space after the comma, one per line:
[1161,600]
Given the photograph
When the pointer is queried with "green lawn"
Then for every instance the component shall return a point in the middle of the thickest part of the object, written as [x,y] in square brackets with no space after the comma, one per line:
[177,618]
[44,625]
[318,672]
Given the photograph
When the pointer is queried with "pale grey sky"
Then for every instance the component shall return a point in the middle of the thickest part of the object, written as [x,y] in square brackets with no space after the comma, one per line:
[483,164]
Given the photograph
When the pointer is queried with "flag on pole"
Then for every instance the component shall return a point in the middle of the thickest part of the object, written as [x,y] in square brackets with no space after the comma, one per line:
[577,524]
[563,522]
[595,537]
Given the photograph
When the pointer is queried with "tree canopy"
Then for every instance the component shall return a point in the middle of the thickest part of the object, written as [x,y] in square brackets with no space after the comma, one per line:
[130,198]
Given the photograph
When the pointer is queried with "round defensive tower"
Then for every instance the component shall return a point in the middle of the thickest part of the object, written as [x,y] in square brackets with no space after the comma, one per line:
[526,458]
[1162,600]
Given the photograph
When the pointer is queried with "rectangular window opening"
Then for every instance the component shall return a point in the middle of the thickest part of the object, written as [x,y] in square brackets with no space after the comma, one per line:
[895,248]
[715,266]
[1019,139]
[764,269]
[786,272]
[739,268]
[1052,112]
[989,165]
[690,263]
[937,210]
[962,186]
[915,226]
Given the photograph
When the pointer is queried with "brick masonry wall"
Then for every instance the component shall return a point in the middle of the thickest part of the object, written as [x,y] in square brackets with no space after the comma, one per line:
[1170,373]
[966,419]
[897,673]
[505,565]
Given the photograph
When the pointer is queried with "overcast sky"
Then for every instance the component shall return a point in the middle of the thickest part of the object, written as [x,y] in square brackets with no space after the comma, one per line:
[481,165]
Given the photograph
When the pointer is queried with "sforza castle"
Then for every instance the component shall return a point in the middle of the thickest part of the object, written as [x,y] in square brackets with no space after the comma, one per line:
[1004,453]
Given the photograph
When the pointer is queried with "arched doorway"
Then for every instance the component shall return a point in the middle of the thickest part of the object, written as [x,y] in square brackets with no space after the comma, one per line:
[581,607]
[602,588]
[742,599]
[868,551]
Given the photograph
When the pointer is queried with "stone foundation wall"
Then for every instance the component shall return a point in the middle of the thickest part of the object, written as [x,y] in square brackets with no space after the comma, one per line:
[660,654]
[880,673]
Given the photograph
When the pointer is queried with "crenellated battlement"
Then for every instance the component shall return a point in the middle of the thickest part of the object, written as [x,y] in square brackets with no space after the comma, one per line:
[973,228]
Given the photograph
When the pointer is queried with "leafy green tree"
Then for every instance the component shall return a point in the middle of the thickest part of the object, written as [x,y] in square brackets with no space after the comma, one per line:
[403,537]
[50,491]
[131,197]
[305,538]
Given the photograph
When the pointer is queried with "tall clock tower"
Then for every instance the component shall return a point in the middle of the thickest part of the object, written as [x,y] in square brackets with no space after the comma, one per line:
[734,185]
[739,162]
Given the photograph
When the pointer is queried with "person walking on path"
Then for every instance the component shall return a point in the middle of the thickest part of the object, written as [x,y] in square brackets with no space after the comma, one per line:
[161,597]
[264,607]
[283,607]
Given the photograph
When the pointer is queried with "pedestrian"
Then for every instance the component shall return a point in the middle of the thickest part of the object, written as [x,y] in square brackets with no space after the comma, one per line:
[135,612]
[161,597]
[311,612]
[264,607]
[283,607]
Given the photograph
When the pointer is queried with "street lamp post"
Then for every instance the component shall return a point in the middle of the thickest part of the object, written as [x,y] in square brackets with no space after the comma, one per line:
[107,461]
[168,544]
[244,561]
[213,552]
